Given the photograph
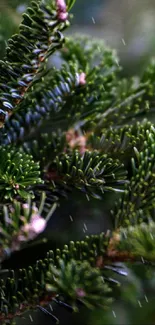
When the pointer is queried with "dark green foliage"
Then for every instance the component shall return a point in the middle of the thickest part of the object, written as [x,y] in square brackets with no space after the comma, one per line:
[75,277]
[46,147]
[62,89]
[92,173]
[32,285]
[138,240]
[39,36]
[73,127]
[18,172]
[139,196]
[123,139]
[88,287]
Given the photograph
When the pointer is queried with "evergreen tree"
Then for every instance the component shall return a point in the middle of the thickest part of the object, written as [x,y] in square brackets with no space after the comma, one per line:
[74,134]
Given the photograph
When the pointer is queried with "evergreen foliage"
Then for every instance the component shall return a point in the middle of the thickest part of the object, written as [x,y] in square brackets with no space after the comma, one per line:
[72,128]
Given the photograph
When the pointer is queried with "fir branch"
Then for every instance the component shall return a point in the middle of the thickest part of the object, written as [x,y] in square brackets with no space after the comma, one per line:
[136,241]
[87,53]
[37,285]
[20,224]
[123,111]
[39,36]
[119,140]
[91,117]
[88,286]
[18,172]
[46,147]
[131,103]
[77,267]
[139,195]
[128,100]
[91,173]
[61,89]
[68,87]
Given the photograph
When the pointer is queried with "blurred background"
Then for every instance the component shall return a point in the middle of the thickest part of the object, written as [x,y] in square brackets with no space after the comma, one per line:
[129,27]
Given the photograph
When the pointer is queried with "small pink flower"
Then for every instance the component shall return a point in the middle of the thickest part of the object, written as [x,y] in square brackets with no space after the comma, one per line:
[76,141]
[61,5]
[25,206]
[82,79]
[28,231]
[62,10]
[32,229]
[63,16]
[80,293]
[12,210]
[16,186]
[38,224]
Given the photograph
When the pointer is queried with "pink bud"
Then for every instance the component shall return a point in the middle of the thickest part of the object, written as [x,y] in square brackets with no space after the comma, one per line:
[25,206]
[38,224]
[80,293]
[61,5]
[82,78]
[29,231]
[63,16]
[62,10]
[12,210]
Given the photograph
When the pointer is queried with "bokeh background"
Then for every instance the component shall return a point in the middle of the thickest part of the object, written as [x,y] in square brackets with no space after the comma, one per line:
[129,27]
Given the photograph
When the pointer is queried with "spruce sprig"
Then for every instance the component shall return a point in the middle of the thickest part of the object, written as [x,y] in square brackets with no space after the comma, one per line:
[39,36]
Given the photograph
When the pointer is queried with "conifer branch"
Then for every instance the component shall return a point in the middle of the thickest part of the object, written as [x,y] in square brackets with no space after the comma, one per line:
[68,87]
[134,243]
[91,173]
[139,194]
[39,36]
[18,172]
[65,130]
[76,267]
[20,224]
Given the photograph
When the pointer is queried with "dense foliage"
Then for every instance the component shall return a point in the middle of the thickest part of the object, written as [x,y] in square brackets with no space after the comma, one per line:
[73,130]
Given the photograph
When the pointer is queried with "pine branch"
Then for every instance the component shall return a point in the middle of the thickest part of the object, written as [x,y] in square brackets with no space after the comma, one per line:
[46,147]
[68,87]
[90,99]
[65,165]
[36,285]
[136,241]
[39,36]
[91,117]
[129,99]
[21,223]
[79,272]
[18,172]
[139,195]
[119,140]
[91,173]
[87,53]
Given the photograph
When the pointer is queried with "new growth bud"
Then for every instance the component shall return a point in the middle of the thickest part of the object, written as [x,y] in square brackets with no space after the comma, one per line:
[82,78]
[36,226]
[76,141]
[30,230]
[80,293]
[62,10]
